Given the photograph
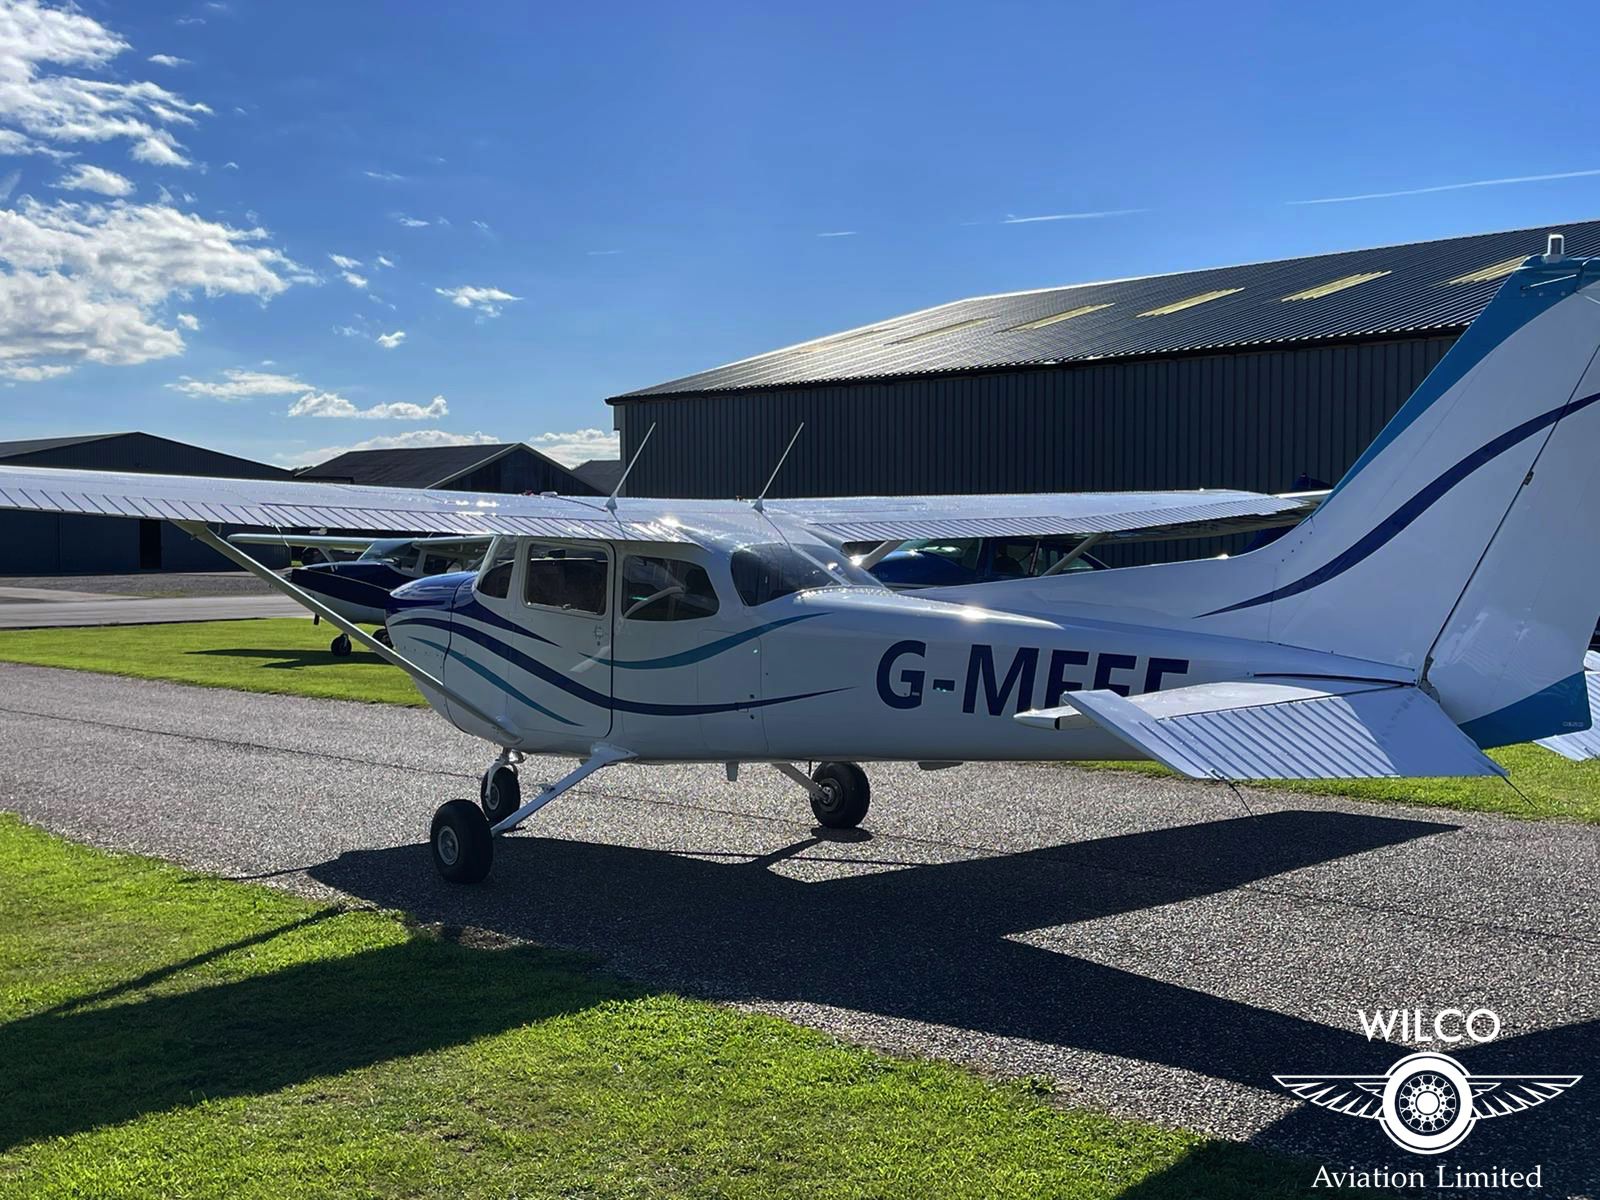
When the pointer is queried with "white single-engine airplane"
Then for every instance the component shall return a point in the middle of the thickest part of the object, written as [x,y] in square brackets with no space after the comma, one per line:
[1438,603]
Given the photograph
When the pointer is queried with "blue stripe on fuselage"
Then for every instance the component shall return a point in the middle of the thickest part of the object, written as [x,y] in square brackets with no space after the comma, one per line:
[1400,518]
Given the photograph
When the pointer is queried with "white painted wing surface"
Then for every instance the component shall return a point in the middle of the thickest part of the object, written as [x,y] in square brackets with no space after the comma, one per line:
[289,504]
[1293,729]
[1584,744]
[1045,514]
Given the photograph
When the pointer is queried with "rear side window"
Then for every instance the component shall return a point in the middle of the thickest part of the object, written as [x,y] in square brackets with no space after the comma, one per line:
[572,578]
[665,589]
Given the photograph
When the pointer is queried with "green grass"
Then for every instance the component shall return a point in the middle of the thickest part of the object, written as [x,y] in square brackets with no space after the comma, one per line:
[285,655]
[168,1034]
[1553,787]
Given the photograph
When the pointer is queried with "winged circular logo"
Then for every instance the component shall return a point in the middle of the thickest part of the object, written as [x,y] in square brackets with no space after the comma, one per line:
[1427,1103]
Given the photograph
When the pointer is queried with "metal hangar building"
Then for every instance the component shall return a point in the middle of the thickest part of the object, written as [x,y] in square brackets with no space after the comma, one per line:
[1258,376]
[47,544]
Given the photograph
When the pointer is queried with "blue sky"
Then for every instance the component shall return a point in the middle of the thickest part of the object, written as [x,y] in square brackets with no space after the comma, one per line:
[218,218]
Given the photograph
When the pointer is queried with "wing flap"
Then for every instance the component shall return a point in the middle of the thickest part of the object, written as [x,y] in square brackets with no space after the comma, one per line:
[1295,729]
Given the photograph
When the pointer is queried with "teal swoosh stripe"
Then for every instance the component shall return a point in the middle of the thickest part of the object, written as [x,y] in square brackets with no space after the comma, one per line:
[484,673]
[699,653]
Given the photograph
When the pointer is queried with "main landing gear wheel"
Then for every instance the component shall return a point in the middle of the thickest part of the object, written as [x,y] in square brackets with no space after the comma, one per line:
[463,847]
[844,796]
[382,637]
[340,646]
[500,793]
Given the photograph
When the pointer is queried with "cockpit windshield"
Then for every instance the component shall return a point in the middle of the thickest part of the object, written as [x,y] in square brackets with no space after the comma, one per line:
[769,571]
[402,554]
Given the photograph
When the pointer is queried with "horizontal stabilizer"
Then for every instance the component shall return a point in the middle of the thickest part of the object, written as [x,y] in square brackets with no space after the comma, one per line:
[1585,744]
[1292,729]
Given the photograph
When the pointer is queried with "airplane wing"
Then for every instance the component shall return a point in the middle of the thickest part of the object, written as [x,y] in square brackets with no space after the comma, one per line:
[355,543]
[1140,516]
[1282,729]
[317,541]
[293,504]
[1585,744]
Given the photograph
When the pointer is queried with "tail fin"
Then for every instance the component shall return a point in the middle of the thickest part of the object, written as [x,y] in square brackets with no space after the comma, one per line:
[1464,542]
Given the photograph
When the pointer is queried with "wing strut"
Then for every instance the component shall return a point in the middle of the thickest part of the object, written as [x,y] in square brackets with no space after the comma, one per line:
[202,533]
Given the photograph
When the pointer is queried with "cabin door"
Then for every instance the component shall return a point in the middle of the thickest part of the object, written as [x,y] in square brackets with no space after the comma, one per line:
[536,640]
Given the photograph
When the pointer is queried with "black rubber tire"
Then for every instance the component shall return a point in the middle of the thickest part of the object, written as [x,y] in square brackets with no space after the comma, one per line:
[462,846]
[499,793]
[381,636]
[340,646]
[848,795]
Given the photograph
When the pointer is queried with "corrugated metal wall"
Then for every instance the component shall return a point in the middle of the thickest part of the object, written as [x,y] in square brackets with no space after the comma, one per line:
[1254,420]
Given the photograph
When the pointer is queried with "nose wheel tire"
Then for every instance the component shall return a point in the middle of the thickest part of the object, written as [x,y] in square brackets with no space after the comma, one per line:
[500,793]
[463,848]
[340,646]
[844,798]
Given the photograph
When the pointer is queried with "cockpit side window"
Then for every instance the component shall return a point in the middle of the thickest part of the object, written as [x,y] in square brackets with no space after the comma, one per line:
[571,578]
[496,578]
[665,589]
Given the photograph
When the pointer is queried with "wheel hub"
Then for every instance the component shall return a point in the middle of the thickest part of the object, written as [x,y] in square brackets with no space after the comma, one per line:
[448,846]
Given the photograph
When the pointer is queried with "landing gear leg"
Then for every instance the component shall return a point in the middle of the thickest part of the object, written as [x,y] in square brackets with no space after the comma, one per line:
[840,793]
[461,854]
[340,646]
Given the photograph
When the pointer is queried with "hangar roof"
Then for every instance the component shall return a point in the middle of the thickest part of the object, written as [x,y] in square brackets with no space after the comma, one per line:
[1387,291]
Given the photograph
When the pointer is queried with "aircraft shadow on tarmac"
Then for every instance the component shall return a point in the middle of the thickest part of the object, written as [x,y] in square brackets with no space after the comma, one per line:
[930,943]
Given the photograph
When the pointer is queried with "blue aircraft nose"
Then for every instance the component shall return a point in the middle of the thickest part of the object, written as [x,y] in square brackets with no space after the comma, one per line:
[436,591]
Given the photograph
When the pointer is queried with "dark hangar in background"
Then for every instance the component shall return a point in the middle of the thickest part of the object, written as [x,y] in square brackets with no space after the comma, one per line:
[1254,376]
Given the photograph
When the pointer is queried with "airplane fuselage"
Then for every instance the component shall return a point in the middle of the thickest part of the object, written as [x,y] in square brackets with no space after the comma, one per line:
[835,673]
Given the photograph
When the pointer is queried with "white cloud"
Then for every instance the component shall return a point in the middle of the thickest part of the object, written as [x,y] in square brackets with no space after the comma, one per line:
[168,60]
[384,176]
[349,331]
[578,446]
[32,374]
[354,280]
[59,107]
[86,178]
[15,145]
[383,262]
[86,282]
[601,253]
[189,321]
[1452,187]
[410,440]
[239,385]
[230,165]
[390,340]
[482,227]
[411,222]
[1013,219]
[330,404]
[838,233]
[340,260]
[485,300]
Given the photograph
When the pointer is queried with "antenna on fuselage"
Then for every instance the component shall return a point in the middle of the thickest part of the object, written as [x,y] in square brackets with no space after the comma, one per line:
[760,504]
[611,500]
